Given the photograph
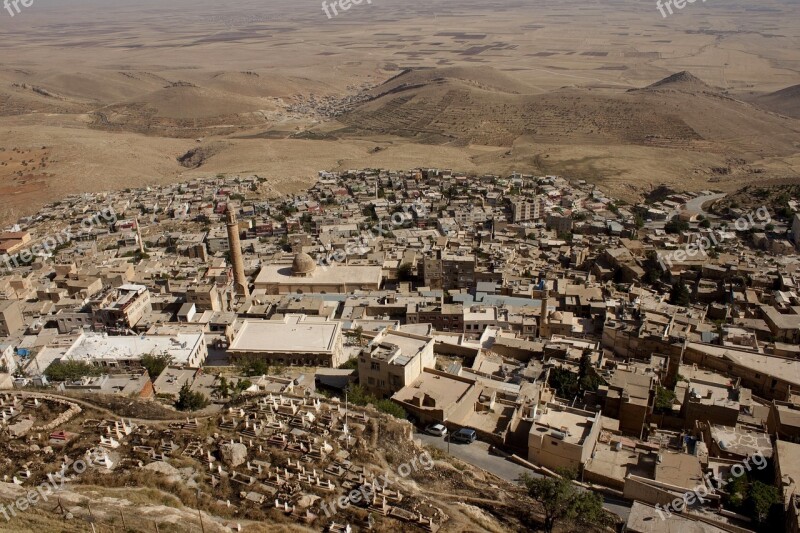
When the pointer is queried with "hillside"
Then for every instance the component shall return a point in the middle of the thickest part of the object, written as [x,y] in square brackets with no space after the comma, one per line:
[680,81]
[481,107]
[786,101]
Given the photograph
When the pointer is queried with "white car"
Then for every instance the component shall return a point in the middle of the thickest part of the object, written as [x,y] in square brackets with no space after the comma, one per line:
[437,430]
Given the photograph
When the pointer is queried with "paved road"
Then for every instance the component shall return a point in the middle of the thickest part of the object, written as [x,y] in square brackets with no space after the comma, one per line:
[696,205]
[478,454]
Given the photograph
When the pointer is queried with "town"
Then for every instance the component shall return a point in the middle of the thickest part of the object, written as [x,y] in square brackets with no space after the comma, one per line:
[529,327]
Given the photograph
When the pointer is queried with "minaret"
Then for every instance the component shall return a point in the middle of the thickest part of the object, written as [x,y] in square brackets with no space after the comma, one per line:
[139,235]
[544,328]
[235,247]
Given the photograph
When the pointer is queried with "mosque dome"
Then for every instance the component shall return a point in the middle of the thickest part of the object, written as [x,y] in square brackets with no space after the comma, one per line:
[303,265]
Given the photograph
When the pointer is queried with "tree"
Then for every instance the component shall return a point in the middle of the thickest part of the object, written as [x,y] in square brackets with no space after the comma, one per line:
[564,382]
[155,364]
[664,400]
[679,295]
[359,333]
[189,400]
[391,408]
[357,395]
[562,501]
[676,225]
[652,268]
[222,390]
[253,366]
[762,498]
[350,364]
[405,272]
[70,370]
[241,386]
[587,380]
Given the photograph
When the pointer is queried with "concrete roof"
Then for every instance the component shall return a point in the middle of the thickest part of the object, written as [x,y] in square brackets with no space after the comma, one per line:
[99,347]
[787,370]
[333,275]
[445,390]
[644,518]
[295,333]
[679,470]
[577,423]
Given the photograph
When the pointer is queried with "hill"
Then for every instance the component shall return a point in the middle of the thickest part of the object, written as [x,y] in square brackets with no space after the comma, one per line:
[786,101]
[479,106]
[680,81]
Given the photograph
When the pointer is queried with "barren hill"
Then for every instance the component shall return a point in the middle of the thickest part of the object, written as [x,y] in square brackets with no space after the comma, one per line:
[485,78]
[680,81]
[786,101]
[680,111]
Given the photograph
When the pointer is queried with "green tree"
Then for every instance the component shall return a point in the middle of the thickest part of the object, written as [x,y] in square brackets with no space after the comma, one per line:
[405,272]
[679,295]
[652,268]
[241,386]
[70,370]
[562,501]
[391,408]
[350,364]
[189,400]
[253,366]
[761,500]
[359,334]
[587,380]
[676,225]
[222,389]
[155,364]
[564,382]
[664,400]
[737,492]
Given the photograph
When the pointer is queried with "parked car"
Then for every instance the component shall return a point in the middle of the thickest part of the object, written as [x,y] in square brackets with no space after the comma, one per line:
[437,430]
[464,435]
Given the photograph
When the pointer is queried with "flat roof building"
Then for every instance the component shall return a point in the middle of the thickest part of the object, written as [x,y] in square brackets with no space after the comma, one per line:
[393,360]
[293,340]
[303,276]
[186,349]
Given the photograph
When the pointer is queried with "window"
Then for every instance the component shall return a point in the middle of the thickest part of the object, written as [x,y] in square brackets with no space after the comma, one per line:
[375,366]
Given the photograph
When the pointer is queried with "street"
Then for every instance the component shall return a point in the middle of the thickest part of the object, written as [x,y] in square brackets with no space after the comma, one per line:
[477,454]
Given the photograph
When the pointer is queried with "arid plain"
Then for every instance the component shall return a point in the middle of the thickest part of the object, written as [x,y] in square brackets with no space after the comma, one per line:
[105,94]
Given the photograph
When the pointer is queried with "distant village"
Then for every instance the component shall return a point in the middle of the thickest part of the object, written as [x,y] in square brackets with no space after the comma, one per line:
[648,348]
